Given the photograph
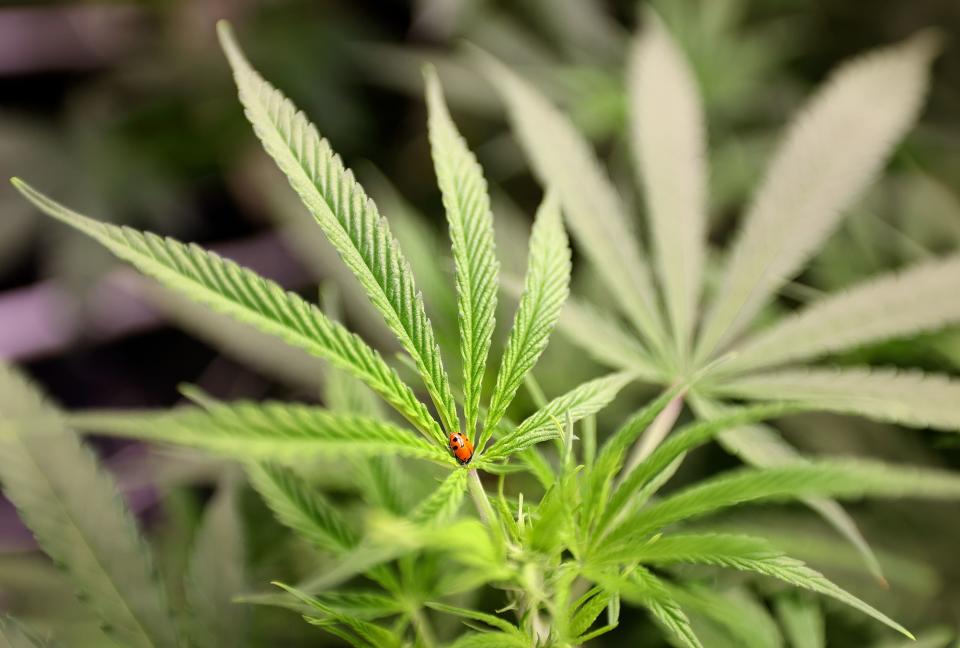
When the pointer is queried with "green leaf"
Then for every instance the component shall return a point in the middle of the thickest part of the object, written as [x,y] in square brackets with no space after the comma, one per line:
[750,554]
[14,634]
[585,399]
[348,218]
[605,339]
[675,446]
[491,640]
[216,574]
[911,398]
[375,636]
[444,502]
[669,144]
[898,304]
[650,592]
[613,452]
[587,612]
[801,619]
[269,431]
[244,295]
[848,478]
[561,158]
[77,515]
[545,288]
[475,615]
[761,446]
[467,205]
[831,152]
[302,507]
[738,613]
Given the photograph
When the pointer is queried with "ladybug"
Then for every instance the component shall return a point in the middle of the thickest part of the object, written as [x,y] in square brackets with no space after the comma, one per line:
[461,448]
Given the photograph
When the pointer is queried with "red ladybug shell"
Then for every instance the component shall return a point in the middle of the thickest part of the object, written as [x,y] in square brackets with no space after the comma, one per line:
[461,448]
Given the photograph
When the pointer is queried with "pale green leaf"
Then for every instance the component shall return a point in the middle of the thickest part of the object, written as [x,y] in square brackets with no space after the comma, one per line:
[14,634]
[302,507]
[563,159]
[244,295]
[922,298]
[848,478]
[216,574]
[77,515]
[588,612]
[467,204]
[831,152]
[269,431]
[739,614]
[801,619]
[669,144]
[605,339]
[585,399]
[763,447]
[545,288]
[751,554]
[442,504]
[910,398]
[348,218]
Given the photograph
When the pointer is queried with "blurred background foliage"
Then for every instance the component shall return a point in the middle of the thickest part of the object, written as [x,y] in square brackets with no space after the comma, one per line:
[126,111]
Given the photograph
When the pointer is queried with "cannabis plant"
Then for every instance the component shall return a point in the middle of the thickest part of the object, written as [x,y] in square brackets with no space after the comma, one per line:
[680,324]
[597,536]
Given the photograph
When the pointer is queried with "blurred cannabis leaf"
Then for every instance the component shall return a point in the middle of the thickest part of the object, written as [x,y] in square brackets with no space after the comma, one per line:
[836,146]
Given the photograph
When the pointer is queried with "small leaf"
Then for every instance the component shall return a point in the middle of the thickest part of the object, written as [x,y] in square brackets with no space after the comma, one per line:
[265,431]
[831,152]
[467,204]
[347,216]
[244,295]
[77,515]
[444,502]
[302,507]
[910,398]
[583,400]
[545,288]
[489,619]
[669,144]
[14,634]
[369,634]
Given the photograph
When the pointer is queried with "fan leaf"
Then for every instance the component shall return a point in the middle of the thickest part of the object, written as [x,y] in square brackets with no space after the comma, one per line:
[348,218]
[244,295]
[561,158]
[545,289]
[467,204]
[910,398]
[78,517]
[265,431]
[669,144]
[831,152]
[920,299]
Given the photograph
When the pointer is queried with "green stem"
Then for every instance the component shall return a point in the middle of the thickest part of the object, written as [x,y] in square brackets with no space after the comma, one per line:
[484,508]
[422,625]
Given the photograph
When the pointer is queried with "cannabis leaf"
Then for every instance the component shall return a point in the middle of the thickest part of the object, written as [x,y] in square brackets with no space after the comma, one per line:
[78,517]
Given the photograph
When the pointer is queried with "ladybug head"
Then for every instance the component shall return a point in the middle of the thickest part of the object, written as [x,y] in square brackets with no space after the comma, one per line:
[456,440]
